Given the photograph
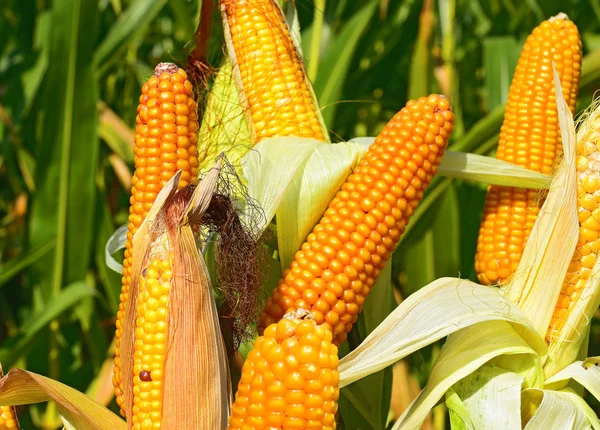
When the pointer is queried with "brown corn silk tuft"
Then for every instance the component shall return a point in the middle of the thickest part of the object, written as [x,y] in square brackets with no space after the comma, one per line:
[337,266]
[239,256]
[530,138]
[290,379]
[269,71]
[165,142]
[579,280]
[174,368]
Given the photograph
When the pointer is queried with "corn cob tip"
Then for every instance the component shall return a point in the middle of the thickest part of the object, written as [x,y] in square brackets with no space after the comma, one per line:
[165,67]
[561,16]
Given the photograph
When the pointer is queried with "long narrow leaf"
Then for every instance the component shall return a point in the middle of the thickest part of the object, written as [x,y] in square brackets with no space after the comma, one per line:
[20,387]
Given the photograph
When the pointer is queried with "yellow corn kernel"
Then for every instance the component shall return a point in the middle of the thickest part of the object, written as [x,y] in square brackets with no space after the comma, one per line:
[530,138]
[586,253]
[166,137]
[275,88]
[338,264]
[8,418]
[290,378]
[150,344]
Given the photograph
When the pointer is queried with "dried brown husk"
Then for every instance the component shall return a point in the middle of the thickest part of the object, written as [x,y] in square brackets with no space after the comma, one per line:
[196,381]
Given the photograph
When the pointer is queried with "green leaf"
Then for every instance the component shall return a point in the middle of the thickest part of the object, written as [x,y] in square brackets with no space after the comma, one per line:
[334,68]
[311,191]
[130,25]
[501,55]
[13,267]
[15,347]
[63,206]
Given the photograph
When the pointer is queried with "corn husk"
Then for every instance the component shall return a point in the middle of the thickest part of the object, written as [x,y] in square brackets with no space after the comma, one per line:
[491,391]
[574,334]
[547,409]
[197,387]
[223,127]
[20,387]
[543,266]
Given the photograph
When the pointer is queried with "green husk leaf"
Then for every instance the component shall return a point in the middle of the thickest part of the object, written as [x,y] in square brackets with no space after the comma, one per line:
[224,127]
[488,170]
[114,244]
[438,309]
[463,353]
[460,419]
[589,378]
[492,396]
[271,167]
[557,410]
[20,387]
[565,345]
[310,192]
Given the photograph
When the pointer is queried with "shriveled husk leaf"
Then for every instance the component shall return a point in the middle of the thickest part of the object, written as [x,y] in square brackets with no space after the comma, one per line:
[564,347]
[293,28]
[435,311]
[488,170]
[463,353]
[20,387]
[546,409]
[224,127]
[536,285]
[492,396]
[196,382]
[588,377]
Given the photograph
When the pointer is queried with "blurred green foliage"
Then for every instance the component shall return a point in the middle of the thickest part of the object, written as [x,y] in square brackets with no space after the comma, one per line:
[67,65]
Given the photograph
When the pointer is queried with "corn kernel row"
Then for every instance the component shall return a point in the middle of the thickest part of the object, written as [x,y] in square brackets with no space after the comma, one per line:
[289,380]
[530,138]
[338,264]
[166,136]
[274,82]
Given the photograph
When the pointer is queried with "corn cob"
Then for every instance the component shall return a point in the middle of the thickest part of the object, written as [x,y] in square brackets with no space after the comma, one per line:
[290,378]
[588,246]
[8,419]
[271,75]
[150,344]
[338,264]
[530,138]
[165,142]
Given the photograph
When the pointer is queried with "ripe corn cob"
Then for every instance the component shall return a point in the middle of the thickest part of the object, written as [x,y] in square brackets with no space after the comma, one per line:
[290,378]
[530,138]
[150,344]
[271,74]
[8,419]
[165,142]
[588,246]
[338,264]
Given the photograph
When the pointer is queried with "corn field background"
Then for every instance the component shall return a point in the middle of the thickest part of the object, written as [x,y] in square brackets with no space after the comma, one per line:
[70,76]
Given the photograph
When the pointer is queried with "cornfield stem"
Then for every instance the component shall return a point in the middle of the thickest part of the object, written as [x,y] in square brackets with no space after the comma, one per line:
[315,43]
